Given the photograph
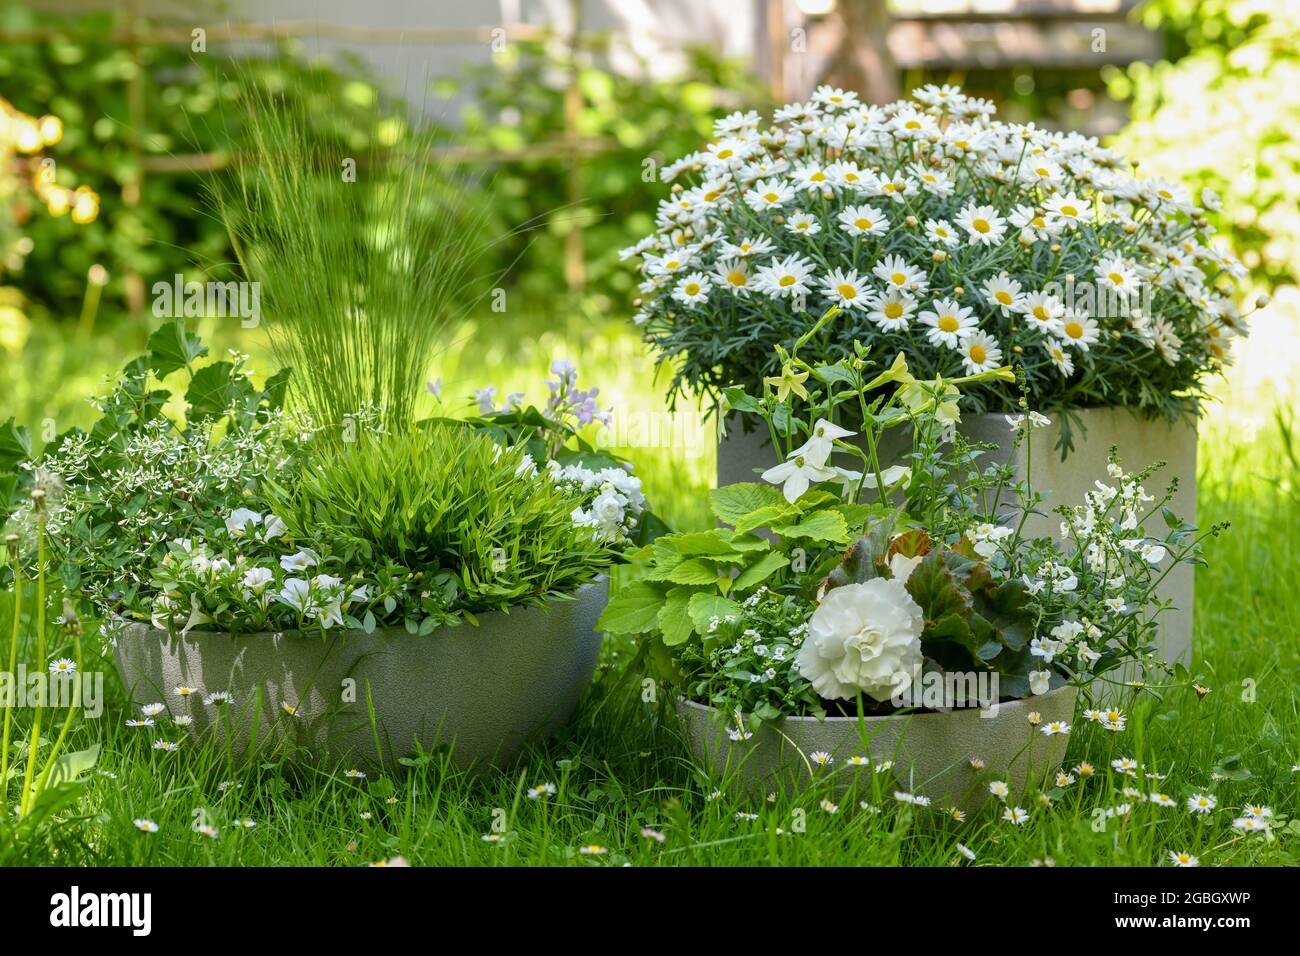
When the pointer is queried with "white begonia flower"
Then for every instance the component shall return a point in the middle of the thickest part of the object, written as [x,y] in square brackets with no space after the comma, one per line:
[1039,681]
[796,475]
[863,637]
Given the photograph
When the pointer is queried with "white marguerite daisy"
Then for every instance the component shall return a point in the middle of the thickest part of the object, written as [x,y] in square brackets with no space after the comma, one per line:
[982,224]
[1042,312]
[892,311]
[1078,330]
[896,273]
[847,289]
[863,221]
[1183,859]
[786,277]
[1003,292]
[980,353]
[733,275]
[804,224]
[940,232]
[692,289]
[1068,209]
[1059,357]
[949,322]
[768,194]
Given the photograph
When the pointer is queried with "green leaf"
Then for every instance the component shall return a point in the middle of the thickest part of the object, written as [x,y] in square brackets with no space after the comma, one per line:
[276,386]
[674,621]
[210,392]
[15,445]
[733,502]
[717,541]
[760,571]
[839,372]
[703,607]
[69,767]
[694,571]
[765,517]
[819,526]
[633,609]
[170,348]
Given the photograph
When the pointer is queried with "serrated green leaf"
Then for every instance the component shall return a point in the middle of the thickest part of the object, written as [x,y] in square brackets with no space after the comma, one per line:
[732,502]
[694,571]
[171,348]
[633,609]
[15,445]
[818,526]
[210,392]
[674,620]
[704,607]
[760,571]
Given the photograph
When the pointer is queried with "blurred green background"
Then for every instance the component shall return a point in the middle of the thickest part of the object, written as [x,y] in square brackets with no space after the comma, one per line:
[143,128]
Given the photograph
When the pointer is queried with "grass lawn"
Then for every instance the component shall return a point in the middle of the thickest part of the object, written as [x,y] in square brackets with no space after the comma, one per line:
[620,767]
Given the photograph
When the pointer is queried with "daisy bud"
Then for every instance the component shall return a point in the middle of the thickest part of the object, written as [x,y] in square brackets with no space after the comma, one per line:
[779,220]
[1130,227]
[636,303]
[1201,222]
[1018,349]
[38,500]
[911,222]
[1115,334]
[828,194]
[1262,301]
[958,290]
[1056,247]
[1026,239]
[677,187]
[939,256]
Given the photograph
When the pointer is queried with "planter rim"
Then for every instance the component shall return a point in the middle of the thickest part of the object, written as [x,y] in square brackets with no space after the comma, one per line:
[1014,705]
[561,599]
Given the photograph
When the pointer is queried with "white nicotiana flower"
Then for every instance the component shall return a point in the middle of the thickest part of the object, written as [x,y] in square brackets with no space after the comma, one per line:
[863,637]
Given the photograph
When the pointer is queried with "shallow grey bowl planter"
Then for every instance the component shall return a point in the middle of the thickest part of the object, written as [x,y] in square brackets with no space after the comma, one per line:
[1140,441]
[931,752]
[484,690]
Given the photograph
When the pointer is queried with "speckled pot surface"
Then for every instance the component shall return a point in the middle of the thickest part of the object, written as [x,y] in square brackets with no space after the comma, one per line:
[484,690]
[1141,441]
[931,752]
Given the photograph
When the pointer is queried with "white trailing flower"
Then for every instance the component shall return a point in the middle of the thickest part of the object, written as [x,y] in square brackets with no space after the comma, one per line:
[863,637]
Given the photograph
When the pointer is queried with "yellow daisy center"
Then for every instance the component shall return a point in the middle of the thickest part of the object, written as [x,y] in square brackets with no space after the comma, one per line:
[977,354]
[948,323]
[818,177]
[1116,277]
[846,290]
[736,278]
[897,278]
[981,225]
[771,197]
[1003,297]
[1041,314]
[786,281]
[1069,211]
[725,154]
[893,310]
[712,195]
[862,223]
[1074,330]
[692,288]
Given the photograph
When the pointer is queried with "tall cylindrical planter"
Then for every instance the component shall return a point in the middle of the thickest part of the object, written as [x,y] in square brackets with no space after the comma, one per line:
[348,698]
[948,757]
[1140,441]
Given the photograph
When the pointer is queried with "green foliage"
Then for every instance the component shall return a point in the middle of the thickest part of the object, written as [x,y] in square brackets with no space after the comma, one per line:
[518,101]
[84,76]
[358,309]
[439,500]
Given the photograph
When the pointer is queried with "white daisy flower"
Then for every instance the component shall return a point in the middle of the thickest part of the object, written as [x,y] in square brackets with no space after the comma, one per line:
[949,322]
[980,353]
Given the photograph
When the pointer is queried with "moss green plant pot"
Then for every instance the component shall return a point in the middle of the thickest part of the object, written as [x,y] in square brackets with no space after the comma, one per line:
[930,753]
[1141,442]
[365,700]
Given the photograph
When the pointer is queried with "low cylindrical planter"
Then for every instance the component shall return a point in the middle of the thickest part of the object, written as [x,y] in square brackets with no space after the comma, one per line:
[929,754]
[1140,441]
[353,699]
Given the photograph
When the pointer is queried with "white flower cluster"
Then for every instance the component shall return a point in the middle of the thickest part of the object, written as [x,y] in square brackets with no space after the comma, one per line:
[932,219]
[614,496]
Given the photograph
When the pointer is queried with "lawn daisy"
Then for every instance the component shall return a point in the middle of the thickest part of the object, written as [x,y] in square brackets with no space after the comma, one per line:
[980,353]
[145,826]
[940,232]
[184,691]
[1084,769]
[1125,764]
[803,224]
[492,838]
[168,745]
[742,815]
[897,274]
[207,830]
[218,697]
[1201,803]
[692,289]
[542,790]
[1257,811]
[1183,859]
[957,814]
[1003,292]
[829,807]
[785,277]
[1064,779]
[1015,815]
[892,311]
[592,849]
[917,800]
[863,221]
[655,835]
[63,666]
[999,789]
[152,710]
[1161,799]
[949,322]
[977,763]
[1068,210]
[1078,330]
[821,758]
[847,289]
[857,760]
[966,851]
[982,224]
[1249,825]
[1054,728]
[748,247]
[146,722]
[354,774]
[182,720]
